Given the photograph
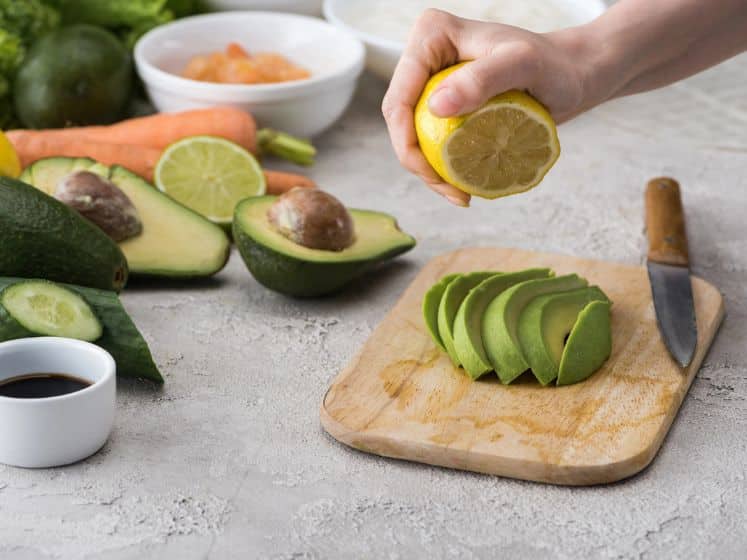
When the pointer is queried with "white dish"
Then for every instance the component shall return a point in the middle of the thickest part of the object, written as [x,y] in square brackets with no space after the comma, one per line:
[54,431]
[382,52]
[305,7]
[304,107]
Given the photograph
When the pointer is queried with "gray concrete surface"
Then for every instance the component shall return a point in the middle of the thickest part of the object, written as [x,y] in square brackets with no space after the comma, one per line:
[229,460]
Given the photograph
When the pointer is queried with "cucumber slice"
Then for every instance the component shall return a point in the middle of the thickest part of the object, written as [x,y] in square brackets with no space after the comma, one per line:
[120,335]
[44,308]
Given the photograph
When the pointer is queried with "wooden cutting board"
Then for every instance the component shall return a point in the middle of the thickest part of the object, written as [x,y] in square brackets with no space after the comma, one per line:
[401,397]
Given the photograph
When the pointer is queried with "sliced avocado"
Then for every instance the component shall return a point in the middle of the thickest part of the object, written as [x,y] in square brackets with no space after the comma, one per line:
[589,344]
[42,238]
[544,325]
[453,296]
[431,301]
[501,318]
[287,267]
[175,241]
[468,322]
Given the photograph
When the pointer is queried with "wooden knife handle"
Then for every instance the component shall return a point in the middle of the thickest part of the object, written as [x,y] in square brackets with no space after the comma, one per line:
[665,223]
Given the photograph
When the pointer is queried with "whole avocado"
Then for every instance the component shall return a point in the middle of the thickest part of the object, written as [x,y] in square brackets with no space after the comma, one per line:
[75,76]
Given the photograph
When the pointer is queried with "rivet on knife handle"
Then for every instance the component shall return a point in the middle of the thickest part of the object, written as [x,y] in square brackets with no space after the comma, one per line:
[665,223]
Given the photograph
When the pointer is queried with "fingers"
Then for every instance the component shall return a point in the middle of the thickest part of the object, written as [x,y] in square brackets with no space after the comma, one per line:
[413,71]
[509,66]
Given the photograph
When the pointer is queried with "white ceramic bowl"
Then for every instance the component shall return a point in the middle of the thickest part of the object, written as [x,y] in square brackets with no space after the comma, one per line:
[306,7]
[49,432]
[304,107]
[382,53]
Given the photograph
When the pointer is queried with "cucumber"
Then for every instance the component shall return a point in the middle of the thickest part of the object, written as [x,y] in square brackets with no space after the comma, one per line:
[43,308]
[119,337]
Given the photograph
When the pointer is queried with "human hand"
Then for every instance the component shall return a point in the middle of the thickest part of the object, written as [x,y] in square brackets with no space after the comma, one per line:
[550,67]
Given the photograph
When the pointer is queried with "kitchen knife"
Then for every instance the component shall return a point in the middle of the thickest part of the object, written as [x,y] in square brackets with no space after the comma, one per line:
[669,270]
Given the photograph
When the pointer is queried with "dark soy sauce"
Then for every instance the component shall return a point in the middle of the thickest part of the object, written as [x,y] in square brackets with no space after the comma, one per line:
[41,385]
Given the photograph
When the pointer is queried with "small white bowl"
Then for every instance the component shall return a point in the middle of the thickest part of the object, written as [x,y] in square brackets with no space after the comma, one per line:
[305,7]
[382,54]
[55,431]
[303,107]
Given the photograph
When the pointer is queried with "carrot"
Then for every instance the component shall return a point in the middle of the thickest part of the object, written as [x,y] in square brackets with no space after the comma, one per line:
[135,158]
[279,182]
[155,131]
[138,159]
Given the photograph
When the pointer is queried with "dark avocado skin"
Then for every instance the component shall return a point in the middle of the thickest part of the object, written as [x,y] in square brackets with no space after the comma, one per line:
[120,336]
[299,278]
[42,238]
[75,76]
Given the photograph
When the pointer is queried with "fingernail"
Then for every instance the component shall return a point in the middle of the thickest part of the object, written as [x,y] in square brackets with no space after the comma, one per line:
[457,201]
[445,101]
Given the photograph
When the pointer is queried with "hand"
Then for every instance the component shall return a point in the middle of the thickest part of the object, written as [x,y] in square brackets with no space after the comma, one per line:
[550,67]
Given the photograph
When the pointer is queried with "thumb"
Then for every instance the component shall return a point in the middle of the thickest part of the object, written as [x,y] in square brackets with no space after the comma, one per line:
[472,85]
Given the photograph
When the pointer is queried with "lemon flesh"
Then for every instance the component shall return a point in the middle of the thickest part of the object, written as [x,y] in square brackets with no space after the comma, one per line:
[505,147]
[209,175]
[10,166]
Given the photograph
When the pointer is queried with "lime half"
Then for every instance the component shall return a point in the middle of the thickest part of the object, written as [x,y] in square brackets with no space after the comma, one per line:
[210,175]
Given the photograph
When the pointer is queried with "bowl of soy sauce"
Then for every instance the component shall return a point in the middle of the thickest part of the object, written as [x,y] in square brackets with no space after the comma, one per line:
[57,401]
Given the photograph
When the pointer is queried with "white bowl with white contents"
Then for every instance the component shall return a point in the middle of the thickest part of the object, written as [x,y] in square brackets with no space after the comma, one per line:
[305,7]
[304,107]
[55,430]
[383,25]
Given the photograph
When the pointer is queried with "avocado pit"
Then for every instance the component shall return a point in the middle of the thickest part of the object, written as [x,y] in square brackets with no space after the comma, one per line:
[101,202]
[313,219]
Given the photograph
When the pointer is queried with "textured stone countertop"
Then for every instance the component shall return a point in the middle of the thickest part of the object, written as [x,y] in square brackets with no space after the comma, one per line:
[229,460]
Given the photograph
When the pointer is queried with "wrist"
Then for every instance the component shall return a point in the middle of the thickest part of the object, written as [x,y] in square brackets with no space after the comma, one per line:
[597,60]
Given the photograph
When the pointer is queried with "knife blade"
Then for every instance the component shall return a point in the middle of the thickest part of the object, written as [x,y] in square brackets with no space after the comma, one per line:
[669,270]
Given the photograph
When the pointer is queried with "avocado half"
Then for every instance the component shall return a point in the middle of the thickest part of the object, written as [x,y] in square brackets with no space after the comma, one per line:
[176,242]
[287,267]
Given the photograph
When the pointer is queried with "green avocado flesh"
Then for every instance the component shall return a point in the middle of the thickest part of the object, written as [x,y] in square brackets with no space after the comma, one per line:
[544,325]
[501,318]
[119,335]
[468,322]
[453,296]
[287,267]
[431,301]
[175,241]
[589,344]
[42,238]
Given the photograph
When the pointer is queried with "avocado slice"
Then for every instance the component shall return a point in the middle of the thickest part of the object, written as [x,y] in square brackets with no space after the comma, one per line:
[544,325]
[589,344]
[287,267]
[468,322]
[453,296]
[42,238]
[501,318]
[431,301]
[175,241]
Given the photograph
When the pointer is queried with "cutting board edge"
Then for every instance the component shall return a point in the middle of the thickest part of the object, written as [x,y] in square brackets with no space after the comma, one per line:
[464,460]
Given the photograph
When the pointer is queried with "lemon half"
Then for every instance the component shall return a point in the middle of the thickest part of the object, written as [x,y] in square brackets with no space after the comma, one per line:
[504,147]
